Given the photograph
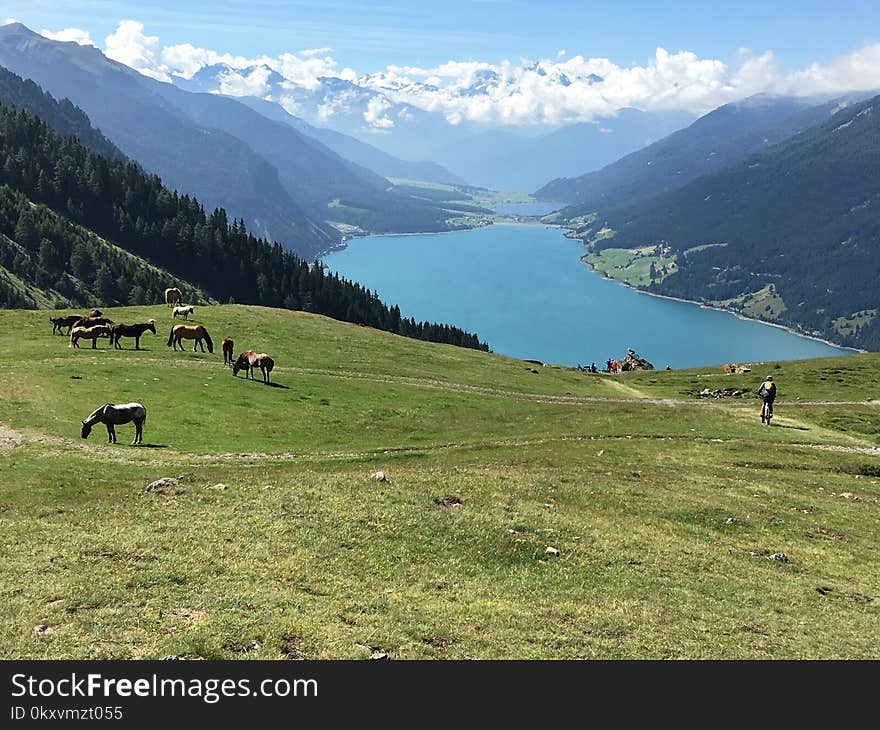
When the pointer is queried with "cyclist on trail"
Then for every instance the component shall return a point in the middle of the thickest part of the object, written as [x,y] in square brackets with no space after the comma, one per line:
[767,391]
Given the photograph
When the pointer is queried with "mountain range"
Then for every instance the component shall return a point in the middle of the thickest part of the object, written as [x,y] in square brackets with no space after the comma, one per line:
[510,159]
[288,185]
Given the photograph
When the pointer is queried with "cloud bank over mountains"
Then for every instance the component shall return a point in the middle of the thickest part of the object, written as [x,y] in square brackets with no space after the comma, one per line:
[553,91]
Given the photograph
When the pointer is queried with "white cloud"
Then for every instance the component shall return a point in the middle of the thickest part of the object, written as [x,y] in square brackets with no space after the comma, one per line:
[376,116]
[128,45]
[9,20]
[553,91]
[255,83]
[69,34]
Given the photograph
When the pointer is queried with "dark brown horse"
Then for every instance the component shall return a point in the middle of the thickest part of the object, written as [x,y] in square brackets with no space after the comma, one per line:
[117,331]
[67,320]
[228,346]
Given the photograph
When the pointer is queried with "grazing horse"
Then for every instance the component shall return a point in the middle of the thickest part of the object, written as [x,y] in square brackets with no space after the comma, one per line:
[249,359]
[190,332]
[243,362]
[228,344]
[88,333]
[68,320]
[173,296]
[96,313]
[111,415]
[183,311]
[119,331]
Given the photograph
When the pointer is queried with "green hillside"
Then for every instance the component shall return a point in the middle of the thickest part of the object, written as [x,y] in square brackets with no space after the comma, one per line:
[278,542]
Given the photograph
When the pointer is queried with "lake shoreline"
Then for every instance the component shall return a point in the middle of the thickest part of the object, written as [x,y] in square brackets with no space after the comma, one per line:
[703,305]
[343,244]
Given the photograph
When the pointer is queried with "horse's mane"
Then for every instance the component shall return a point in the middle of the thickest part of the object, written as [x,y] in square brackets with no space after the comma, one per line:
[95,412]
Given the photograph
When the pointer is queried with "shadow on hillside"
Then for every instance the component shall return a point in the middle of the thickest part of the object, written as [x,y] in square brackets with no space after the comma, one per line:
[278,385]
[153,446]
[794,428]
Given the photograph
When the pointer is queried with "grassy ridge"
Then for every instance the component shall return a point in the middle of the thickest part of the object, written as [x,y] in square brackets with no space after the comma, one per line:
[665,508]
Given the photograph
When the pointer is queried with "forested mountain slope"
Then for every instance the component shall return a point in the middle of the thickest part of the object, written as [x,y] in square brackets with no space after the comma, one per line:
[192,159]
[798,221]
[714,141]
[122,204]
[286,185]
[63,116]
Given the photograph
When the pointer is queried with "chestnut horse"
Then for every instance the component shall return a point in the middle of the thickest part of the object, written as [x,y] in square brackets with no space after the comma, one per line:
[89,333]
[173,296]
[228,346]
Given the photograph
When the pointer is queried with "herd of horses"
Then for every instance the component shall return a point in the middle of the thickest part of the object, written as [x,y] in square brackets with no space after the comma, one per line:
[94,326]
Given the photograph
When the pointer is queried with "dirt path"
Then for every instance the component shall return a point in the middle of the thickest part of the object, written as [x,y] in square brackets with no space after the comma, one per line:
[628,394]
[60,447]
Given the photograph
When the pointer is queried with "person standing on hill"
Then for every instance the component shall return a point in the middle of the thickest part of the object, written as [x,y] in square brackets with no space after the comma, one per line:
[767,391]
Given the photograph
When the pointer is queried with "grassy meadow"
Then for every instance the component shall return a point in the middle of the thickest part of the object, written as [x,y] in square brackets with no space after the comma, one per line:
[277,542]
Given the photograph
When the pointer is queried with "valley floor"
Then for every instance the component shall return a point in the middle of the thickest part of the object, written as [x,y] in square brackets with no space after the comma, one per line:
[684,528]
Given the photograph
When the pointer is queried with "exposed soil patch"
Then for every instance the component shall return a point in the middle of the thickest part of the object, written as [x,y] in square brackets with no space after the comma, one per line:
[447,501]
[9,439]
[718,392]
[292,648]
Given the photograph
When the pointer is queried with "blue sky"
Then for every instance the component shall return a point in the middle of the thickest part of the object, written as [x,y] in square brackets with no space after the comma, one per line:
[369,36]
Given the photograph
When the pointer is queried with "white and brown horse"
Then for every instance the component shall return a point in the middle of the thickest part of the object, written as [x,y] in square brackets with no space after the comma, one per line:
[183,311]
[111,415]
[190,332]
[248,360]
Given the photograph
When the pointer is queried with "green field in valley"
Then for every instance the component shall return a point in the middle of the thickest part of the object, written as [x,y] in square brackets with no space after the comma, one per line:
[275,540]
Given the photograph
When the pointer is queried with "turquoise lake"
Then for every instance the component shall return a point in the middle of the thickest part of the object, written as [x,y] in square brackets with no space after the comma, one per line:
[523,289]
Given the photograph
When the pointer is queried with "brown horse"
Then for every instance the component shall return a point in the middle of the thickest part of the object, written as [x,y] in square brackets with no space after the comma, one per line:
[248,360]
[89,333]
[173,296]
[228,346]
[190,332]
[68,320]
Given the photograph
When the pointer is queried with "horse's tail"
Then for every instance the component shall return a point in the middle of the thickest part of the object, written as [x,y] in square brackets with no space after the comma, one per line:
[170,336]
[209,341]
